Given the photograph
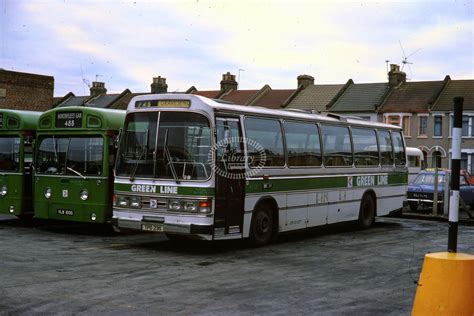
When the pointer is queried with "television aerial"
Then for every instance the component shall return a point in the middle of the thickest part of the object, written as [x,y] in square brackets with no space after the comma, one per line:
[405,58]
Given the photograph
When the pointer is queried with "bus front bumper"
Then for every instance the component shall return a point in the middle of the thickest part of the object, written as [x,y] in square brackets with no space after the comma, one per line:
[195,227]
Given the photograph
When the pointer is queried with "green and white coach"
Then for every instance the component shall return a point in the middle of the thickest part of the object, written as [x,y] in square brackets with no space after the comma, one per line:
[191,166]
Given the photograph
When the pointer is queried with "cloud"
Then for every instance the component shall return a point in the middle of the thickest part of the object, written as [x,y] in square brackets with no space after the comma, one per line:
[194,42]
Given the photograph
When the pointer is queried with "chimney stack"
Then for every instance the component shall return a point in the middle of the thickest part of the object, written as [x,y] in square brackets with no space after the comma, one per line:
[98,88]
[228,82]
[159,85]
[396,76]
[305,80]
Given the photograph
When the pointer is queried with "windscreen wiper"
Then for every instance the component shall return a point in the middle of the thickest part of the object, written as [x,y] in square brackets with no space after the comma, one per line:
[169,158]
[76,172]
[142,154]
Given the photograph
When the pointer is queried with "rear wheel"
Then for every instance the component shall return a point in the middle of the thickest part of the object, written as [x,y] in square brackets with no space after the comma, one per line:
[262,226]
[413,206]
[366,212]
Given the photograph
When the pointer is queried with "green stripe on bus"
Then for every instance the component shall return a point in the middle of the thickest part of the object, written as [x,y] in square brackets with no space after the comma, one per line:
[164,189]
[298,184]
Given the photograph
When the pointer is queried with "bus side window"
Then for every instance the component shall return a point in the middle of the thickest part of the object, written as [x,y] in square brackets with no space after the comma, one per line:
[366,152]
[336,145]
[398,148]
[385,145]
[302,144]
[266,133]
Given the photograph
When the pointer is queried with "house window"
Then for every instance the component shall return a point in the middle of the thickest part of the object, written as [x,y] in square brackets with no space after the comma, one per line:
[406,125]
[465,125]
[423,125]
[438,125]
[436,159]
[394,120]
[464,161]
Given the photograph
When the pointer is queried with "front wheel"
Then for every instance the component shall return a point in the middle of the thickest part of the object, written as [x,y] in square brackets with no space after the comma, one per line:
[261,228]
[366,212]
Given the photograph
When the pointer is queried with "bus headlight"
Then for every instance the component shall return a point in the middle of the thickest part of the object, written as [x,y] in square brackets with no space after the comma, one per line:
[123,201]
[135,202]
[190,206]
[84,195]
[12,209]
[47,193]
[93,216]
[4,190]
[175,205]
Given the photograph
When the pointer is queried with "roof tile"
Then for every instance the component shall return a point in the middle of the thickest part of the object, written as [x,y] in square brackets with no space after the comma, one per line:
[274,99]
[456,88]
[362,97]
[412,97]
[315,97]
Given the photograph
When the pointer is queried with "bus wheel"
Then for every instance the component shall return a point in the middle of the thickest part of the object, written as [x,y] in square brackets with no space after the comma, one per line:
[413,206]
[366,212]
[261,228]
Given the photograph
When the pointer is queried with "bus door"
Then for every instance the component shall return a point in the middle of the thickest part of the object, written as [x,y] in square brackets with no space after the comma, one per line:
[230,178]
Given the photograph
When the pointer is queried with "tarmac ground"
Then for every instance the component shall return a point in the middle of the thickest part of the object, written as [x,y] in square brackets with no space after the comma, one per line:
[69,268]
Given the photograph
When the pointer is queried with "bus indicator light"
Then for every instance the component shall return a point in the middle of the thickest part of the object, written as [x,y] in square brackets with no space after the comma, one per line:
[205,206]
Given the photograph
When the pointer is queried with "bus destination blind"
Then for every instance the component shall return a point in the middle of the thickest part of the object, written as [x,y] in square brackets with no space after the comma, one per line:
[69,120]
[163,104]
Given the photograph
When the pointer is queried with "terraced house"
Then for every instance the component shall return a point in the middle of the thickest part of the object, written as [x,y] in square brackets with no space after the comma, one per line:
[440,121]
[422,108]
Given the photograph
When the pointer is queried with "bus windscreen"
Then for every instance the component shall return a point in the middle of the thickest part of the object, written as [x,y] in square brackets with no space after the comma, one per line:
[77,156]
[178,150]
[9,153]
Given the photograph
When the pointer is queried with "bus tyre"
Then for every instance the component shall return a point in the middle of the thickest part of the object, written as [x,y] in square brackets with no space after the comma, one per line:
[413,206]
[366,212]
[261,228]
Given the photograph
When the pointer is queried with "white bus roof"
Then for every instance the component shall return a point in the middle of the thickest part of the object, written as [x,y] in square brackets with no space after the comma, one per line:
[412,151]
[203,103]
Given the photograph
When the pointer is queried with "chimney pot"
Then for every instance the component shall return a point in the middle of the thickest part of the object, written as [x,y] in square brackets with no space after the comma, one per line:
[396,76]
[305,80]
[98,88]
[159,85]
[228,82]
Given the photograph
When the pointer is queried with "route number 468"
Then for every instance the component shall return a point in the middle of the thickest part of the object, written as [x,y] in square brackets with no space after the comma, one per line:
[69,123]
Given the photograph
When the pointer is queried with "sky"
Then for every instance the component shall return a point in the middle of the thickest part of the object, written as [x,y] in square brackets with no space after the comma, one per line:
[192,43]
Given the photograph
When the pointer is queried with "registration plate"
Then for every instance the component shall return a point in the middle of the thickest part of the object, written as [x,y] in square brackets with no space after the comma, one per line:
[62,211]
[152,227]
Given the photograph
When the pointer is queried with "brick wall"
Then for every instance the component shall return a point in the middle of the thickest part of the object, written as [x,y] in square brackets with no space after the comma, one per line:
[23,91]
